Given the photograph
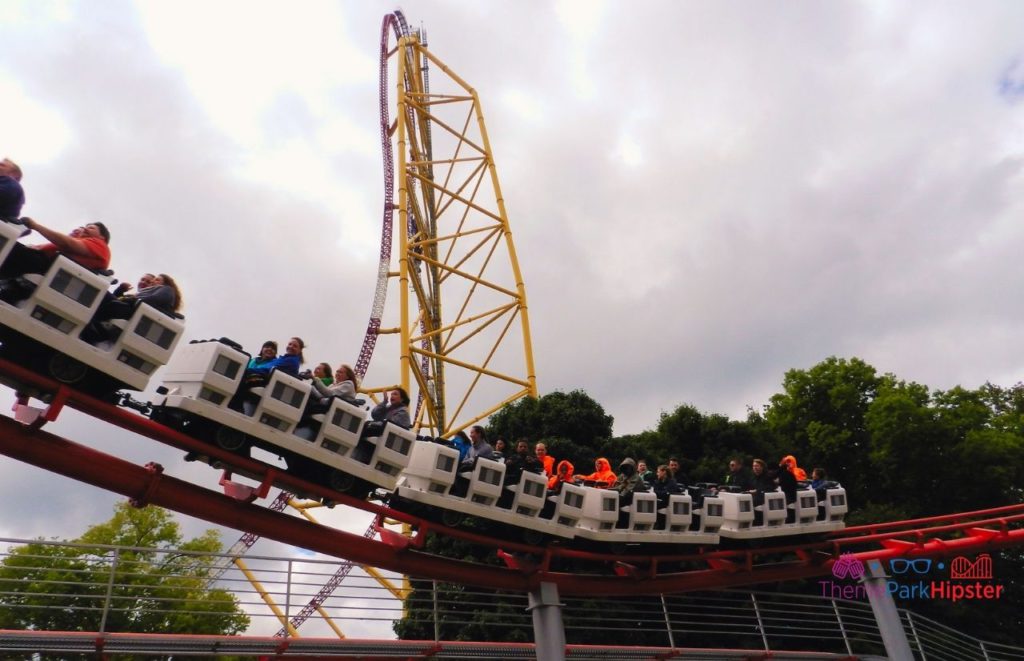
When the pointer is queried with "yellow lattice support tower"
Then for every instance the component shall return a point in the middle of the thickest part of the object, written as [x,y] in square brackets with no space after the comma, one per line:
[464,328]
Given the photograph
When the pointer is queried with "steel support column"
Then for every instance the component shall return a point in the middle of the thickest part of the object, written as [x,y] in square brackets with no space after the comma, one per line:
[888,618]
[548,629]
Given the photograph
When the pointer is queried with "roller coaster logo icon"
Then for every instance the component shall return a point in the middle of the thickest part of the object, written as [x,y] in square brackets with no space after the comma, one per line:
[963,569]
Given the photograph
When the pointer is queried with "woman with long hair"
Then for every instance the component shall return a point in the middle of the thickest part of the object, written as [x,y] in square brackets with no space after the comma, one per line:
[345,385]
[164,280]
[394,409]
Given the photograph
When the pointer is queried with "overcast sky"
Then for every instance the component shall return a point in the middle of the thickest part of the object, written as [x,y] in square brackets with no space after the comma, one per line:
[702,194]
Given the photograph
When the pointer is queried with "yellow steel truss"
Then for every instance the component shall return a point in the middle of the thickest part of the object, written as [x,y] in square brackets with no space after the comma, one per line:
[465,344]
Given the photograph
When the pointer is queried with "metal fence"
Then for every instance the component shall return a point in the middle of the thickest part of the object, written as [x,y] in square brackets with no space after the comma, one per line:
[108,589]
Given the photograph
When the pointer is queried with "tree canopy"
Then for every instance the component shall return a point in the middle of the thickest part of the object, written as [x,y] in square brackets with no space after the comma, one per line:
[573,416]
[161,581]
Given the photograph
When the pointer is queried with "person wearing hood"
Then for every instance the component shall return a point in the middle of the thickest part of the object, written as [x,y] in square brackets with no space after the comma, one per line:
[789,463]
[602,477]
[786,479]
[563,474]
[628,481]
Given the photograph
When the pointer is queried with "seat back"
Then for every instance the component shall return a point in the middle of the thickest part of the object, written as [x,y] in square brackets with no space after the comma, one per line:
[712,513]
[342,427]
[600,509]
[530,493]
[9,234]
[432,467]
[67,296]
[738,510]
[568,505]
[643,511]
[679,512]
[149,339]
[834,504]
[806,506]
[774,509]
[485,482]
[207,370]
[392,449]
[282,402]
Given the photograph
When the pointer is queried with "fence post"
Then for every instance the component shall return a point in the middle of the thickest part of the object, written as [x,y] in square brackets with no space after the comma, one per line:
[668,623]
[110,589]
[917,639]
[842,628]
[437,620]
[760,622]
[288,595]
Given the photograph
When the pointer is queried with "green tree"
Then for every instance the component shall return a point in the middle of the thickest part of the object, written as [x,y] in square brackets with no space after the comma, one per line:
[909,451]
[820,417]
[573,416]
[158,589]
[702,442]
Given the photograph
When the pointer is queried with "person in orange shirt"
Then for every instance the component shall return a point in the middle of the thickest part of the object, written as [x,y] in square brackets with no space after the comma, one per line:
[88,246]
[548,462]
[603,476]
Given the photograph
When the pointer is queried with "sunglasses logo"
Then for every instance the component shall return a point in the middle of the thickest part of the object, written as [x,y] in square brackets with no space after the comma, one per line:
[847,566]
[902,565]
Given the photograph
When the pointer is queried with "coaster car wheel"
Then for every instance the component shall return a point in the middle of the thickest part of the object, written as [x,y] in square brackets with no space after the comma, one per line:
[229,439]
[451,518]
[340,481]
[66,369]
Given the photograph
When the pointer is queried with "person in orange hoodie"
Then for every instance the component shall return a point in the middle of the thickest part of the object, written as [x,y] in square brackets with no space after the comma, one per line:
[562,475]
[603,476]
[789,463]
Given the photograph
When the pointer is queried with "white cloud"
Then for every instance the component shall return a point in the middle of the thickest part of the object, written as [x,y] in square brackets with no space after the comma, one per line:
[629,152]
[32,133]
[526,106]
[582,21]
[238,56]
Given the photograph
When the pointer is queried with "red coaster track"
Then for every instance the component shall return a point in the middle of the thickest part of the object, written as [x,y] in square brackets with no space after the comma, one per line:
[526,566]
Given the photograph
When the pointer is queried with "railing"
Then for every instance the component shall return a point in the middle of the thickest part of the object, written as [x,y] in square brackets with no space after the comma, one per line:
[104,589]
